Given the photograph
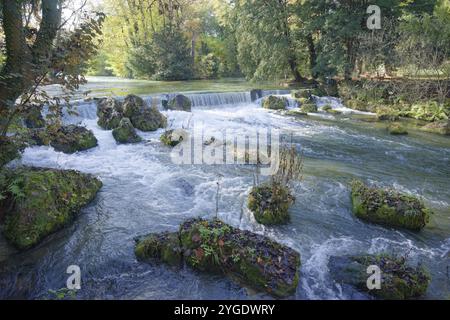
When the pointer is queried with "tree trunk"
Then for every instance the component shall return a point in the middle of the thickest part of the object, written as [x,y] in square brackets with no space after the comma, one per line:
[312,55]
[23,63]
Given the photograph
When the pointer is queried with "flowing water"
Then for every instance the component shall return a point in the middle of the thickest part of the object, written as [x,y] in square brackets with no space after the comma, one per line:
[144,191]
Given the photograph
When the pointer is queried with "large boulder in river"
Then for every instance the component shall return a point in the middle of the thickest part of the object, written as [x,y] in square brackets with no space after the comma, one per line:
[270,203]
[309,107]
[388,207]
[275,103]
[109,112]
[213,246]
[44,201]
[72,138]
[149,119]
[125,132]
[180,103]
[399,281]
[132,105]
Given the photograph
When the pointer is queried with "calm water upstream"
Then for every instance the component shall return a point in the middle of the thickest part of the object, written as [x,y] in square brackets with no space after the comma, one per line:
[145,192]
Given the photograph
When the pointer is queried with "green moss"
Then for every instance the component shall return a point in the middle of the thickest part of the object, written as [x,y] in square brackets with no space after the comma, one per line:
[50,200]
[302,94]
[180,102]
[71,139]
[125,132]
[164,246]
[132,105]
[150,119]
[275,103]
[399,281]
[109,112]
[270,203]
[173,137]
[388,207]
[396,128]
[309,107]
[387,113]
[213,246]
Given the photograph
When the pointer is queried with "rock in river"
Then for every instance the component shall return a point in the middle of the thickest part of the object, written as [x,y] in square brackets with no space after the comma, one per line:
[72,138]
[125,132]
[180,103]
[399,281]
[213,246]
[388,207]
[275,103]
[44,201]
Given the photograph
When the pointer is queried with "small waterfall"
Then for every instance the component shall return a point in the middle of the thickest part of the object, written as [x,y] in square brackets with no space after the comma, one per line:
[275,92]
[218,99]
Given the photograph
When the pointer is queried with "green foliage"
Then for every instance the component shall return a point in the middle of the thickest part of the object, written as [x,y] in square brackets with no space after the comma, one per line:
[430,111]
[209,66]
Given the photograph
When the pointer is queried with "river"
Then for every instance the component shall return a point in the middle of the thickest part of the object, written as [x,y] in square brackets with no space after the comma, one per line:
[144,191]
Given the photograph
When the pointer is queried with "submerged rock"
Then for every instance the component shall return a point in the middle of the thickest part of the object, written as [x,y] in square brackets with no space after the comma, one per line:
[149,119]
[173,137]
[275,103]
[270,203]
[180,103]
[213,246]
[398,280]
[388,207]
[125,132]
[72,138]
[44,201]
[396,128]
[439,127]
[109,112]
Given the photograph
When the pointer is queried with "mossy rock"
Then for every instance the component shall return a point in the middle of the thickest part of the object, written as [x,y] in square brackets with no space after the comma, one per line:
[270,203]
[387,114]
[33,117]
[309,107]
[255,94]
[132,105]
[275,103]
[125,132]
[72,138]
[399,281]
[215,247]
[149,119]
[438,127]
[9,150]
[38,137]
[388,207]
[172,138]
[396,128]
[109,112]
[46,201]
[302,94]
[180,103]
[162,246]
